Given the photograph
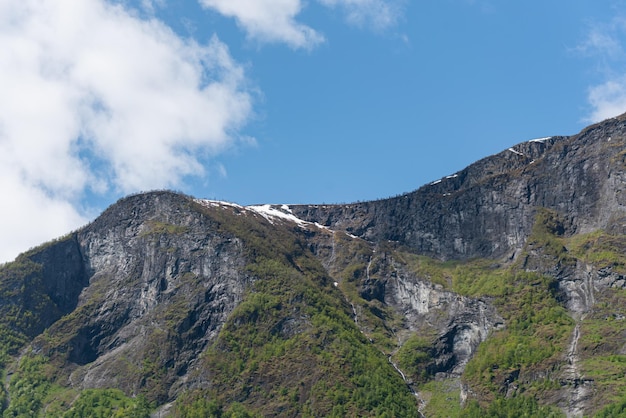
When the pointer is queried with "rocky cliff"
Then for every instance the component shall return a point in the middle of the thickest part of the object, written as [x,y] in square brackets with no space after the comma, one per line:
[496,288]
[487,209]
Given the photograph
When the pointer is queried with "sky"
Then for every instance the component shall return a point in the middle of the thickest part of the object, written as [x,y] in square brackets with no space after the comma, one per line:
[282,101]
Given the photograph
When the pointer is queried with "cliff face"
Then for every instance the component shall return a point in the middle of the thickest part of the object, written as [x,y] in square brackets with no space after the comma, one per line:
[487,209]
[502,282]
[161,283]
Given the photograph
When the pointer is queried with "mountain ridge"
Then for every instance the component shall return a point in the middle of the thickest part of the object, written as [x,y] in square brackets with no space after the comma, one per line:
[486,291]
[534,192]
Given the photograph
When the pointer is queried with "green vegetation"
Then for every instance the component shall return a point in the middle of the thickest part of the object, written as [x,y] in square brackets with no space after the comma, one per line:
[23,308]
[108,403]
[414,357]
[515,407]
[33,394]
[470,278]
[443,399]
[203,408]
[425,267]
[615,410]
[362,270]
[600,249]
[291,345]
[28,388]
[538,327]
[473,278]
[157,228]
[19,285]
[537,332]
[601,346]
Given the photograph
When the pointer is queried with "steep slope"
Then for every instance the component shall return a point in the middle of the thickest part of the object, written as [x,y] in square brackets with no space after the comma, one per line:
[177,296]
[498,288]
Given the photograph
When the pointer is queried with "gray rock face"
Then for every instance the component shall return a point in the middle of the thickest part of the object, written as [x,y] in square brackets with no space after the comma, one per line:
[63,273]
[161,283]
[487,209]
[459,323]
[462,323]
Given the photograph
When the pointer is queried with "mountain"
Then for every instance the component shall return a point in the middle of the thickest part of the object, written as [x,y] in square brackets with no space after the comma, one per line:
[496,290]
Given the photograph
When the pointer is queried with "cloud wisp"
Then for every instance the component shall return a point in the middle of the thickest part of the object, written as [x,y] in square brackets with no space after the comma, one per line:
[275,21]
[268,21]
[607,99]
[605,45]
[376,14]
[95,100]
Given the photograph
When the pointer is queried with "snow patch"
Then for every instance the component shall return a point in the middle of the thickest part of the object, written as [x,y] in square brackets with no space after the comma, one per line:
[453,176]
[217,203]
[544,139]
[271,213]
[435,182]
[516,152]
[320,226]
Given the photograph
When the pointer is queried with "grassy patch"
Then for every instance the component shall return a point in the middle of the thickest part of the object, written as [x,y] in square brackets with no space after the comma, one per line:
[518,407]
[158,228]
[600,249]
[443,399]
[108,403]
[537,332]
[602,336]
[415,356]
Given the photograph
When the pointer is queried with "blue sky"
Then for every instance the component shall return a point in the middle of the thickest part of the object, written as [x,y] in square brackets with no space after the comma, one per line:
[282,101]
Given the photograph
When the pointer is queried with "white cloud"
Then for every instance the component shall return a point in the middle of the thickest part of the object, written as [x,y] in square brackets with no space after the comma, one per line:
[93,98]
[607,100]
[269,20]
[600,43]
[604,44]
[28,216]
[379,14]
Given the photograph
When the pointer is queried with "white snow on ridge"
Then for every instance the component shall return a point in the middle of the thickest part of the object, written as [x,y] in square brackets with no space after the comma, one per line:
[516,152]
[544,139]
[271,213]
[451,176]
[216,203]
